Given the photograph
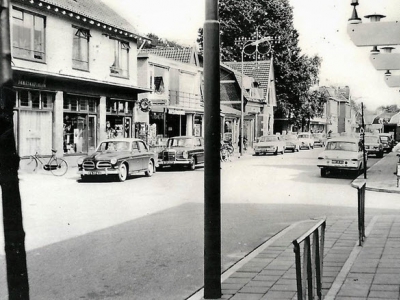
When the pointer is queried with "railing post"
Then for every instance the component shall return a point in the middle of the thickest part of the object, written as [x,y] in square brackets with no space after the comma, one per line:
[309,271]
[361,213]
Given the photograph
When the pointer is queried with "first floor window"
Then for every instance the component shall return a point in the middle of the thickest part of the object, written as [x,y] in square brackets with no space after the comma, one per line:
[80,49]
[28,40]
[121,59]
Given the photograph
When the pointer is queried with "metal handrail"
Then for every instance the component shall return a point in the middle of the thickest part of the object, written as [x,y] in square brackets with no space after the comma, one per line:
[310,270]
[361,211]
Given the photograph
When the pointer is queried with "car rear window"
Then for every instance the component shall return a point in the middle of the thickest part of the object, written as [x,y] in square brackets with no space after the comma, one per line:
[342,146]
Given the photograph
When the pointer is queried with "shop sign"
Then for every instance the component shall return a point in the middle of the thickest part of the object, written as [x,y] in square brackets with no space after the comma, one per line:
[31,83]
[176,112]
[159,102]
[252,109]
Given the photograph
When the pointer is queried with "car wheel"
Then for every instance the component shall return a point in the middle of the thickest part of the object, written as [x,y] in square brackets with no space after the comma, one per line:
[123,173]
[323,172]
[192,164]
[257,154]
[150,169]
[276,152]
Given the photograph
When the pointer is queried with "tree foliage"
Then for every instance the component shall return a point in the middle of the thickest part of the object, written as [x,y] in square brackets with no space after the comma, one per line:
[295,73]
[156,41]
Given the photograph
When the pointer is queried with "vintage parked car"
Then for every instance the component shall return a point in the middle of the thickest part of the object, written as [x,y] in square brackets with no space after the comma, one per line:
[182,150]
[387,141]
[342,153]
[373,145]
[269,144]
[291,142]
[120,157]
[306,140]
[319,139]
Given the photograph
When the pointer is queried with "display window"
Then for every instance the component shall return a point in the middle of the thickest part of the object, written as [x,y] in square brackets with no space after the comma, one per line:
[117,126]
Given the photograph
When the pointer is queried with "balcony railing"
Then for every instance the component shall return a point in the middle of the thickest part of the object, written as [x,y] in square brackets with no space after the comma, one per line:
[186,100]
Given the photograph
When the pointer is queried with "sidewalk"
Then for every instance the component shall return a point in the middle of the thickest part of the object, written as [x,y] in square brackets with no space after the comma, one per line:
[349,271]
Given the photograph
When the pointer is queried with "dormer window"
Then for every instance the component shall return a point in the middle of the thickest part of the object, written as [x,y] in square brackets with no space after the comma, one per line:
[80,52]
[158,85]
[28,36]
[120,67]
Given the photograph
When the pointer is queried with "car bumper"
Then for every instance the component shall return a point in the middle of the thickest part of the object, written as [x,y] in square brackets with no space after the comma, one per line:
[330,166]
[98,172]
[266,150]
[373,151]
[173,162]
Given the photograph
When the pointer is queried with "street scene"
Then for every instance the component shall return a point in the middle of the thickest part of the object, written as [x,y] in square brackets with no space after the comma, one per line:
[135,164]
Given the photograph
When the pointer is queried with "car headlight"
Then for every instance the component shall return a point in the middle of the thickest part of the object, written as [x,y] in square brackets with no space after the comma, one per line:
[185,154]
[80,160]
[113,161]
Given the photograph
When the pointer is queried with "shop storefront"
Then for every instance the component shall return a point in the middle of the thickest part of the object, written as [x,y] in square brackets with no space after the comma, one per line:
[33,119]
[69,116]
[119,118]
[79,123]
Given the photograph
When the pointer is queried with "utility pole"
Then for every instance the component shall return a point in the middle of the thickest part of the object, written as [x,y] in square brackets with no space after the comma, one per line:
[212,163]
[14,235]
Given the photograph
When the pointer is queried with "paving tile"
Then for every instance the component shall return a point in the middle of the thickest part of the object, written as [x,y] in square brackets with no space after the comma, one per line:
[260,283]
[244,274]
[385,287]
[383,294]
[386,279]
[240,296]
[231,286]
[284,287]
[281,295]
[254,290]
[236,280]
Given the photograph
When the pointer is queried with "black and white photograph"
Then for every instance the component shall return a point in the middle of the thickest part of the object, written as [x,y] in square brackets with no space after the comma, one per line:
[199,149]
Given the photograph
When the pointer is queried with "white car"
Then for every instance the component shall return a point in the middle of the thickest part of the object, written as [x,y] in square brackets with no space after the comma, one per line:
[269,144]
[306,140]
[342,153]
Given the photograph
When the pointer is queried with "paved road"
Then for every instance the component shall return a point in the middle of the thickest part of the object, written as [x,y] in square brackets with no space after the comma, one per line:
[143,239]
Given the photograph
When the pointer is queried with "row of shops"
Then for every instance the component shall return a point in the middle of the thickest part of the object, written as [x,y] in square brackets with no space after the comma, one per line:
[72,117]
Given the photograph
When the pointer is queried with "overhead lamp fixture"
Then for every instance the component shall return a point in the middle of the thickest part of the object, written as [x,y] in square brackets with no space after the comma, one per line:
[375,50]
[354,19]
[375,17]
[387,49]
[387,73]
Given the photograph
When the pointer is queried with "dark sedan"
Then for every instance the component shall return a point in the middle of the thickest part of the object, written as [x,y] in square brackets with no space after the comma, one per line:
[182,150]
[120,157]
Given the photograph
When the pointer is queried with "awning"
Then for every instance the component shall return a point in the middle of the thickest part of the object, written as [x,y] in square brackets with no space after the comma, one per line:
[227,110]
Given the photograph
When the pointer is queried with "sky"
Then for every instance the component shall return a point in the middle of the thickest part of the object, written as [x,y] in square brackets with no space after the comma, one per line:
[322,25]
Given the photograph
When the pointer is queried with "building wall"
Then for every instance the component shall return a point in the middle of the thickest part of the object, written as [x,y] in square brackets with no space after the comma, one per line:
[59,39]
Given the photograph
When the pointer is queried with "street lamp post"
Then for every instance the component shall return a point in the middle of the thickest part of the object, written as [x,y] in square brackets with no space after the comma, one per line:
[245,43]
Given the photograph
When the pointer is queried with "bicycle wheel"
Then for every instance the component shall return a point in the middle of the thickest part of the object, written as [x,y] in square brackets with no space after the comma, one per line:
[58,166]
[29,164]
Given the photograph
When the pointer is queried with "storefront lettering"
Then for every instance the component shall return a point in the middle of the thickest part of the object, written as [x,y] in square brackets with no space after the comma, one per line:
[31,83]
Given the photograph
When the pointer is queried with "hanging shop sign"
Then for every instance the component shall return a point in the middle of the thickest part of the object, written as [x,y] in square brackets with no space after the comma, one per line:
[145,105]
[176,112]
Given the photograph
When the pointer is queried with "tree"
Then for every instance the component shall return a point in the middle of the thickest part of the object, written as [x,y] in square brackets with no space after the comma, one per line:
[159,42]
[295,74]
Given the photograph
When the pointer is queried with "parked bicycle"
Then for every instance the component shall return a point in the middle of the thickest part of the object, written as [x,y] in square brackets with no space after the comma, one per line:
[229,146]
[225,153]
[57,166]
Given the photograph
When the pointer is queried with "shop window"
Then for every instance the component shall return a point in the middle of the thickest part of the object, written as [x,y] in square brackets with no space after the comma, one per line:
[119,107]
[121,59]
[80,104]
[34,99]
[28,35]
[80,49]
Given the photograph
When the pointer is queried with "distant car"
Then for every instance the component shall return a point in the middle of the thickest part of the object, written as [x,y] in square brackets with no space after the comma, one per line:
[182,150]
[341,153]
[387,141]
[269,144]
[120,157]
[373,145]
[319,139]
[306,140]
[291,142]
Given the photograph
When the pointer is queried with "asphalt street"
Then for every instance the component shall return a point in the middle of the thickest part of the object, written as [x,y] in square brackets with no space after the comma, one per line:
[143,239]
